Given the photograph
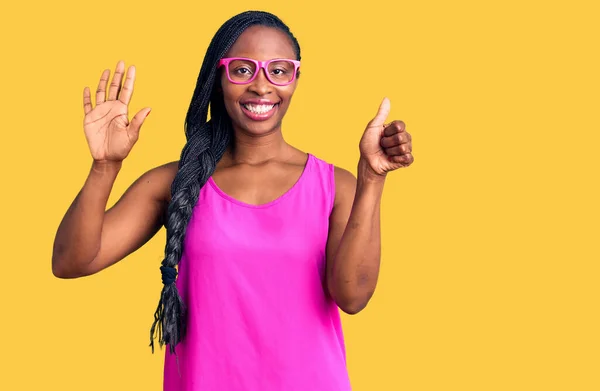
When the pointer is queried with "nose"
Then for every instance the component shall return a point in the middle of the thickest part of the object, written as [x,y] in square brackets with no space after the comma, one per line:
[261,85]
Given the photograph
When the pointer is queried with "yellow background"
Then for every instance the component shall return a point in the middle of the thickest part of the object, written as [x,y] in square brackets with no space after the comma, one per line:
[490,265]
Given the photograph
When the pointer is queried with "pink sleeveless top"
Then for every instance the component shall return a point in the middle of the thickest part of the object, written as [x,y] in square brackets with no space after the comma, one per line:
[253,280]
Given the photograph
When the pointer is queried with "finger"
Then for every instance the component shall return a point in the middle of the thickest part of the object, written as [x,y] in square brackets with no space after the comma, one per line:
[405,160]
[394,127]
[87,100]
[399,150]
[138,120]
[101,90]
[382,113]
[127,91]
[115,84]
[395,139]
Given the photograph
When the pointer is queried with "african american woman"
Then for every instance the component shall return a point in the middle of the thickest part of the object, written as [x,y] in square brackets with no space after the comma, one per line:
[265,243]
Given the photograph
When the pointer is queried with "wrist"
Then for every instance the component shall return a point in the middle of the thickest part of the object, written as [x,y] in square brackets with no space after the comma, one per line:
[369,183]
[366,174]
[106,166]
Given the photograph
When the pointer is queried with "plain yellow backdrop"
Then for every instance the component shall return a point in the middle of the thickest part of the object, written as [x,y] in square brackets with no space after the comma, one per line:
[490,269]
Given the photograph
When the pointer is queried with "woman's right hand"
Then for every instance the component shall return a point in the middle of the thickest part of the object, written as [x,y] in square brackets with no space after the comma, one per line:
[109,133]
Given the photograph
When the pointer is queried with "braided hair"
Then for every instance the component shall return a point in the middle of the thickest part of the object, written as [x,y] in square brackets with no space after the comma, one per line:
[206,144]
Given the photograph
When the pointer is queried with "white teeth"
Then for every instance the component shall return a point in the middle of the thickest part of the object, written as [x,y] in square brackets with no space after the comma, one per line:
[259,109]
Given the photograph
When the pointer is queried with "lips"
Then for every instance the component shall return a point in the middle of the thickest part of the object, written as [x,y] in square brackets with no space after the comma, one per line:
[259,109]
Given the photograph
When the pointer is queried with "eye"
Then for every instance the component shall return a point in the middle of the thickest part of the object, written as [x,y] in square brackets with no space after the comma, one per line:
[279,72]
[281,69]
[243,71]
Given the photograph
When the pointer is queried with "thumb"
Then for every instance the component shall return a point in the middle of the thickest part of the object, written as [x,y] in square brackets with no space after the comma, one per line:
[382,113]
[138,120]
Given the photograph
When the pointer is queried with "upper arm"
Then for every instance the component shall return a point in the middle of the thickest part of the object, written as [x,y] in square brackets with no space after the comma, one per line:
[135,218]
[345,189]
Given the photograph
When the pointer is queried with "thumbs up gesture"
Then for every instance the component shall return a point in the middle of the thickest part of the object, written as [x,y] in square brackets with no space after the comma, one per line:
[386,147]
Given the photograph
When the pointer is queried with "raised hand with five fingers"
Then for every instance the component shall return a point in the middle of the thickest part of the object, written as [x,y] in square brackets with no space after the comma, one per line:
[109,133]
[386,147]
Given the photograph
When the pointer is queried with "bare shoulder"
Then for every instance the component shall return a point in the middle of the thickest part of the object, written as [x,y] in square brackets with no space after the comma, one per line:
[163,172]
[345,185]
[158,180]
[343,176]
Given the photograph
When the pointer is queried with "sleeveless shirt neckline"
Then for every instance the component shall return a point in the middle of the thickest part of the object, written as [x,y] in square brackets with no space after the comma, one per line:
[268,204]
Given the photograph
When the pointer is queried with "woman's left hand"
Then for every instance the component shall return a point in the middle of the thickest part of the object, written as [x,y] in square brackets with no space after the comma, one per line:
[386,147]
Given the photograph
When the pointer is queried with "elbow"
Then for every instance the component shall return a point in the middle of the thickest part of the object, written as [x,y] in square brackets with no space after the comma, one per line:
[64,273]
[352,307]
[59,270]
[350,301]
[59,263]
[351,310]
[64,269]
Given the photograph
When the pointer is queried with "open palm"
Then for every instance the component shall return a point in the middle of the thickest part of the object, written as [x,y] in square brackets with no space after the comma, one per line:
[109,133]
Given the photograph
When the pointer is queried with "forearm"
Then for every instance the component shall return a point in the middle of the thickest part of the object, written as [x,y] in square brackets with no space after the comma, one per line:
[78,237]
[355,268]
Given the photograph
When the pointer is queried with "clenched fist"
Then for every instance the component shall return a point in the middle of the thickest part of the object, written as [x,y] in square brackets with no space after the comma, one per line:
[386,147]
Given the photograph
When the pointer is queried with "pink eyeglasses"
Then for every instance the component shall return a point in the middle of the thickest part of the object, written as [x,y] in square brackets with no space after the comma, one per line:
[279,71]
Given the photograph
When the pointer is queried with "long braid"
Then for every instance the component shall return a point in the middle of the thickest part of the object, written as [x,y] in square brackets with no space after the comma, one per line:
[207,141]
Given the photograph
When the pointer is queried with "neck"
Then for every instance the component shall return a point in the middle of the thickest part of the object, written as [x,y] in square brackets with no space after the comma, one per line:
[256,149]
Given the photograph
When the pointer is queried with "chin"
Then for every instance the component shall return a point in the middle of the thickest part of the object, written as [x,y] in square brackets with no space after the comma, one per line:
[259,128]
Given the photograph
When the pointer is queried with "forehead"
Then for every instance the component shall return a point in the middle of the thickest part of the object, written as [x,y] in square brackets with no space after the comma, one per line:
[262,43]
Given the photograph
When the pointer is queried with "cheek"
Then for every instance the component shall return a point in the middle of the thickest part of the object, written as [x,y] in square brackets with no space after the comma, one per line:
[286,93]
[289,90]
[230,98]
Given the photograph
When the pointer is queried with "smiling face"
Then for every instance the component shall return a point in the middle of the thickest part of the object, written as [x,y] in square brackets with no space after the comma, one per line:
[258,108]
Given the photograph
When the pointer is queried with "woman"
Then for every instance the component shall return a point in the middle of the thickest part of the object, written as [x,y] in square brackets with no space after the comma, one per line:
[264,242]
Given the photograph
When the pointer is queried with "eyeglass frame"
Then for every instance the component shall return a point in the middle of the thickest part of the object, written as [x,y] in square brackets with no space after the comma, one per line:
[259,65]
